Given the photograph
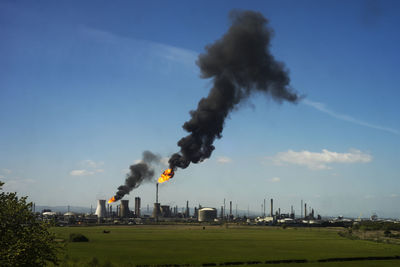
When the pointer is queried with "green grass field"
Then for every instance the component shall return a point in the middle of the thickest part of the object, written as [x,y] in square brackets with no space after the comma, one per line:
[169,244]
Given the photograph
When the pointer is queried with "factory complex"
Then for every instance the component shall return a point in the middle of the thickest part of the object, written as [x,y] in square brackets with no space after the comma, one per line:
[122,214]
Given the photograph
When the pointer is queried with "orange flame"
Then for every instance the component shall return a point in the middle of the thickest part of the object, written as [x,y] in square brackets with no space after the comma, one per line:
[111,200]
[166,175]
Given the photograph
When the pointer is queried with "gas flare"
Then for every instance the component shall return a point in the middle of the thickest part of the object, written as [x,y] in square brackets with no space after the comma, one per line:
[166,175]
[111,200]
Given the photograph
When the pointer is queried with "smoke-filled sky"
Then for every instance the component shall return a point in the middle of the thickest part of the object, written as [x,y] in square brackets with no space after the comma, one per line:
[86,87]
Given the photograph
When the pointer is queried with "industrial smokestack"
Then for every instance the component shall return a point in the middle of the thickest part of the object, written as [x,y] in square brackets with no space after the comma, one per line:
[156,192]
[272,207]
[301,207]
[124,208]
[305,210]
[187,209]
[230,208]
[264,207]
[239,64]
[137,206]
[224,208]
[101,208]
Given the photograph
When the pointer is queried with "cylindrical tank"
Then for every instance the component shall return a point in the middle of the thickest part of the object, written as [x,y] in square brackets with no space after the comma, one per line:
[165,211]
[156,210]
[101,208]
[207,214]
[124,208]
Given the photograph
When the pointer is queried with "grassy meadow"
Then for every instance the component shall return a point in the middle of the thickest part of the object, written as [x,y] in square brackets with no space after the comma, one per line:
[184,244]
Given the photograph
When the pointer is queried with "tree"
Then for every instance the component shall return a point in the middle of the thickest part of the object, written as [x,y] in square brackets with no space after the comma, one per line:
[24,239]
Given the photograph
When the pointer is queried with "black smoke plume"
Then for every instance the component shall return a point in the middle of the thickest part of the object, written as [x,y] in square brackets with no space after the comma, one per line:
[239,64]
[139,172]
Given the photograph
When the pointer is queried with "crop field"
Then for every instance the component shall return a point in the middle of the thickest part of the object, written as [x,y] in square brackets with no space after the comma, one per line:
[220,245]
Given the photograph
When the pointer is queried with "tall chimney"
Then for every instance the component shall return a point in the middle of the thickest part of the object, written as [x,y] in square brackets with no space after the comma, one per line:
[305,210]
[230,208]
[101,208]
[137,206]
[301,207]
[224,208]
[264,208]
[187,209]
[272,207]
[124,212]
[156,192]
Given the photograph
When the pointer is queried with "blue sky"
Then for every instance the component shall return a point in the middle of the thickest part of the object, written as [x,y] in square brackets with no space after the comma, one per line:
[86,86]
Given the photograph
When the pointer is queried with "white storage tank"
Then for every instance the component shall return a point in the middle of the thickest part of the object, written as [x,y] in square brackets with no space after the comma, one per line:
[207,214]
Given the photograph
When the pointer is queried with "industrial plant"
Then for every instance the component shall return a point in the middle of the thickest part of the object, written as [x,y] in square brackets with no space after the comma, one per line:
[121,213]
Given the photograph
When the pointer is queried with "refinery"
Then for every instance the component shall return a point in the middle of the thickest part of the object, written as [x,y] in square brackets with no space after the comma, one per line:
[114,213]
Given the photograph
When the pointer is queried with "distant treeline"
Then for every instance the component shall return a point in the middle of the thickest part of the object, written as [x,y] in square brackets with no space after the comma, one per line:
[375,226]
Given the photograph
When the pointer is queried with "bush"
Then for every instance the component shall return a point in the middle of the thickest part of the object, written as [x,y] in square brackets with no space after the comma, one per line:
[387,233]
[76,237]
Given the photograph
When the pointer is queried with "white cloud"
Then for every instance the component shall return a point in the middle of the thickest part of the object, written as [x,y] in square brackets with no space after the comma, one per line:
[275,179]
[88,167]
[322,107]
[320,161]
[91,164]
[81,173]
[393,195]
[224,160]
